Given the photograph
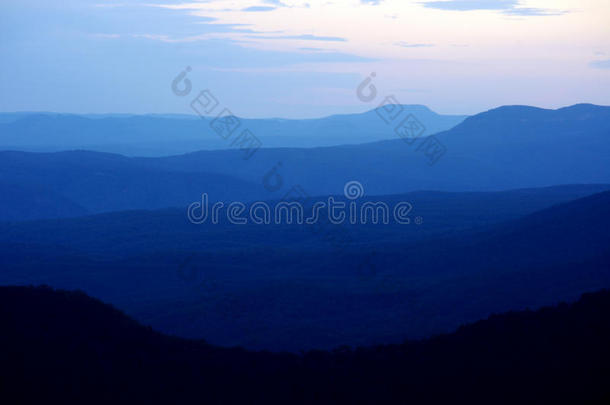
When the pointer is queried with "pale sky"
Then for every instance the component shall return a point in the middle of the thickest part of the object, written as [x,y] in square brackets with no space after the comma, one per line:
[294,59]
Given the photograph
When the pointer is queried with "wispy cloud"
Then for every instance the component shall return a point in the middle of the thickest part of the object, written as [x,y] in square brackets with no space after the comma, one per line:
[258,8]
[527,12]
[313,49]
[304,37]
[508,7]
[106,36]
[600,64]
[412,45]
[468,5]
[276,3]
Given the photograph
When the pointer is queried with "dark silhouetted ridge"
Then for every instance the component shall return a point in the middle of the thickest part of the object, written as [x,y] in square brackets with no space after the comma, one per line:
[68,348]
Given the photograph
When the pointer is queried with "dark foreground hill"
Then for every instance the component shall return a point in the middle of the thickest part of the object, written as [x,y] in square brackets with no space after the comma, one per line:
[64,347]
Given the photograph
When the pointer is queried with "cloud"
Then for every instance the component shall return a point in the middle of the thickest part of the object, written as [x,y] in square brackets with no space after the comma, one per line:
[312,49]
[304,37]
[371,2]
[507,7]
[600,64]
[157,37]
[258,8]
[410,45]
[106,36]
[468,5]
[526,11]
[276,3]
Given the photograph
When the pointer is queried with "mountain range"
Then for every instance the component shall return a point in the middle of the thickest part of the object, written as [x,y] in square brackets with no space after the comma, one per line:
[513,214]
[284,287]
[164,135]
[506,148]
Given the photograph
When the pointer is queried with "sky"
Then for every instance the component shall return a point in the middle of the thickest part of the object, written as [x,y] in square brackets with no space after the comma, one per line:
[302,59]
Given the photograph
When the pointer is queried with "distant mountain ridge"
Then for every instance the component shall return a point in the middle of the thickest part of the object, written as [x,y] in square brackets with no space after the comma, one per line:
[170,134]
[75,183]
[502,149]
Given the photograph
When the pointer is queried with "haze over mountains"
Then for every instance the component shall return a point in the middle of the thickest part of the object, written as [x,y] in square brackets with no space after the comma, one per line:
[164,135]
[510,147]
[160,245]
[505,148]
[513,214]
[76,183]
